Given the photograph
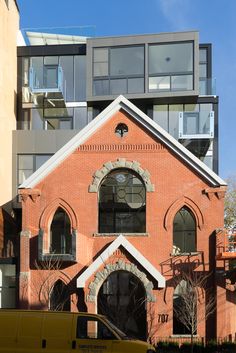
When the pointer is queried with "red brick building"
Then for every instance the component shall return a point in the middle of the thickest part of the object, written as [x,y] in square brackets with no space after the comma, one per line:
[111,221]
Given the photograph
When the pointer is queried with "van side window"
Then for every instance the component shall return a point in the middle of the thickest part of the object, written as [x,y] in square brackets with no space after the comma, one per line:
[92,328]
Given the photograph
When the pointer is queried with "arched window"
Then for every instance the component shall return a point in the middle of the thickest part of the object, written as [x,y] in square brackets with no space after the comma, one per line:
[122,203]
[184,309]
[60,233]
[59,297]
[184,232]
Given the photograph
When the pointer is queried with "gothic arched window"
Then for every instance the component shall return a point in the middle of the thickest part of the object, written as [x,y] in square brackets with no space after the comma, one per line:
[184,232]
[122,203]
[59,297]
[60,233]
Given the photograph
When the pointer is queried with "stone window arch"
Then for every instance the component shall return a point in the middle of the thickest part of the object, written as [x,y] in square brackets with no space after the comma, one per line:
[122,202]
[121,163]
[184,232]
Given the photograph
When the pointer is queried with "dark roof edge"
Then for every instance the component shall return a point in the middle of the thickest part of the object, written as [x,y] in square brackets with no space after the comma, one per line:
[17,6]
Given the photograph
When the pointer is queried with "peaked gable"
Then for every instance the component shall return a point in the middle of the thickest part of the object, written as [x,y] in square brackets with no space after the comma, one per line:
[122,103]
[120,241]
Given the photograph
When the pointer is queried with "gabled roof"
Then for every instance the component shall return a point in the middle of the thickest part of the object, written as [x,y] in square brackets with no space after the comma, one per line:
[122,103]
[100,260]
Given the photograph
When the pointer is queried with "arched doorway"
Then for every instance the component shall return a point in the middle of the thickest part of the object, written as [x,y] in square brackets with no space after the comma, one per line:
[122,298]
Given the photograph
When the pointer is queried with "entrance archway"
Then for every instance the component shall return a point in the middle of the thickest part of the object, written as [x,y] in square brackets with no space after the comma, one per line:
[122,298]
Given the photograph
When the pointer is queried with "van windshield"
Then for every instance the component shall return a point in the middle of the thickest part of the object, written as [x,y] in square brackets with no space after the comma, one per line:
[121,334]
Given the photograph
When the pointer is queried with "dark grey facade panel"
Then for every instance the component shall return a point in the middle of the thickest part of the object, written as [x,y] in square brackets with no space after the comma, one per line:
[42,50]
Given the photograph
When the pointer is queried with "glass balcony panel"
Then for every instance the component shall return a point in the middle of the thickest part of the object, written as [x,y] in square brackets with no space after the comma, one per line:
[196,125]
[202,70]
[190,124]
[161,83]
[207,86]
[46,79]
[50,77]
[67,68]
[182,82]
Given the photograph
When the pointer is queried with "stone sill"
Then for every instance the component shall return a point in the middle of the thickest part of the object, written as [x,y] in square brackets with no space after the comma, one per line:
[187,253]
[108,235]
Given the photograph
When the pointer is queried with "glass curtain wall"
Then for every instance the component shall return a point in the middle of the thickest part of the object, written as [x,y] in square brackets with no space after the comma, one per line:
[118,70]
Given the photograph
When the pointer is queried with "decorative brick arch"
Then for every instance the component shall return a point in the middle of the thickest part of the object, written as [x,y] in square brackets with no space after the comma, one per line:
[120,163]
[50,210]
[120,265]
[176,206]
[46,287]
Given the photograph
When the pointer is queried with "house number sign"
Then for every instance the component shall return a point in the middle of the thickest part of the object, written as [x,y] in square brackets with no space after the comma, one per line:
[163,318]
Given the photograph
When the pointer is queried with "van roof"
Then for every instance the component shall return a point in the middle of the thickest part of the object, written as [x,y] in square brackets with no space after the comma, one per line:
[51,312]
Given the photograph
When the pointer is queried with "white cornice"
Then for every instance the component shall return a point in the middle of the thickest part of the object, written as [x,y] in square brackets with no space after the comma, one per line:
[101,259]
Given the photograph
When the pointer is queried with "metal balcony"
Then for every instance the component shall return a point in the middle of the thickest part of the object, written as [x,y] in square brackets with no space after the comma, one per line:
[50,81]
[196,125]
[226,246]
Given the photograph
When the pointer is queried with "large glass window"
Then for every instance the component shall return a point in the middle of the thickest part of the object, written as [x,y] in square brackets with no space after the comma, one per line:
[60,233]
[170,67]
[122,203]
[184,232]
[29,163]
[118,70]
[127,61]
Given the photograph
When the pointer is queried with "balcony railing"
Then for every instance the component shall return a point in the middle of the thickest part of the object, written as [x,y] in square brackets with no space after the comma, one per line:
[207,86]
[196,125]
[226,246]
[47,82]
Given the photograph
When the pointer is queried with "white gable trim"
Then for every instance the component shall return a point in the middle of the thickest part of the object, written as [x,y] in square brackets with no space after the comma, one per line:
[120,240]
[122,103]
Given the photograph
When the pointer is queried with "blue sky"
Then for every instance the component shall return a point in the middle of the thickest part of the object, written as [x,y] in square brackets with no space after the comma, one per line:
[214,19]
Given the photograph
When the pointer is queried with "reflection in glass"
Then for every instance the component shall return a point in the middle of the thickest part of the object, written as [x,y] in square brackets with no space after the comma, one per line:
[184,231]
[60,233]
[170,58]
[127,61]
